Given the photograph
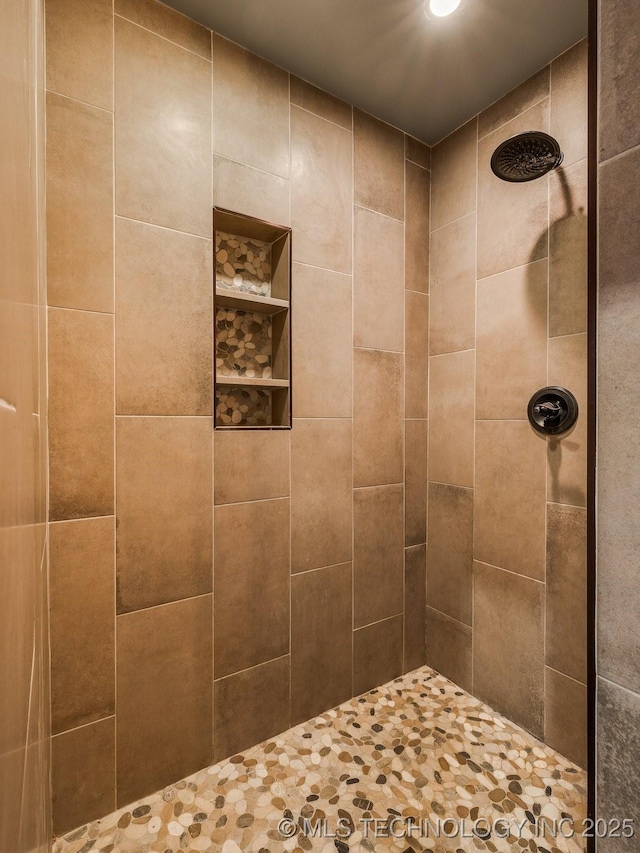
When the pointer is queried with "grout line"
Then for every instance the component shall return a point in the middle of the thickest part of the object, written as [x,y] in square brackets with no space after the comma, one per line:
[163,604]
[353,394]
[564,675]
[509,571]
[377,212]
[254,168]
[292,104]
[323,269]
[258,500]
[115,403]
[78,101]
[290,441]
[213,407]
[633,150]
[453,619]
[249,668]
[453,221]
[450,485]
[83,726]
[379,622]
[475,405]
[404,403]
[164,38]
[156,225]
[320,568]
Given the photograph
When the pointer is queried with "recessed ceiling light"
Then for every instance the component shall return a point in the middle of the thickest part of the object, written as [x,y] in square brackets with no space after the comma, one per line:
[442,8]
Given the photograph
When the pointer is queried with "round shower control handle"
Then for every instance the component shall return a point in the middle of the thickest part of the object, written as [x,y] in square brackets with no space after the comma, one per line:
[552,410]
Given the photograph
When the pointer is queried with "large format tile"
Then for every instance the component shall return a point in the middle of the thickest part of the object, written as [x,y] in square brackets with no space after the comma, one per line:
[417,212]
[416,151]
[453,175]
[255,193]
[251,585]
[568,254]
[322,343]
[524,96]
[511,345]
[321,191]
[565,716]
[83,775]
[377,654]
[250,706]
[321,493]
[251,465]
[317,101]
[378,281]
[415,564]
[164,661]
[163,131]
[512,218]
[377,417]
[569,92]
[166,22]
[566,595]
[508,645]
[416,359]
[80,50]
[79,205]
[619,222]
[453,286]
[378,165]
[567,453]
[509,510]
[619,75]
[378,554]
[250,108]
[164,510]
[80,414]
[451,418]
[321,640]
[450,551]
[164,327]
[82,621]
[449,647]
[415,481]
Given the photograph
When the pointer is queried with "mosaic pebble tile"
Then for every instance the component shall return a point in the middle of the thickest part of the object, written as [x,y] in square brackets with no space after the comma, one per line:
[243,343]
[242,406]
[412,766]
[243,264]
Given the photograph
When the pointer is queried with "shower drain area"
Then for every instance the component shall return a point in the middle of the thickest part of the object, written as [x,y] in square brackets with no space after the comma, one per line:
[415,765]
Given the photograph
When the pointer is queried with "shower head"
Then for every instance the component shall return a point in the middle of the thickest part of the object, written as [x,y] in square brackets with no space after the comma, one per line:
[526,157]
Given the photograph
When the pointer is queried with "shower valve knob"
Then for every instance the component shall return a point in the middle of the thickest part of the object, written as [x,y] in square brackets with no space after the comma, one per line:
[552,410]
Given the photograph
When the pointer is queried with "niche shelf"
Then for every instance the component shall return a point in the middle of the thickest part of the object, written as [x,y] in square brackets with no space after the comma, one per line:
[252,322]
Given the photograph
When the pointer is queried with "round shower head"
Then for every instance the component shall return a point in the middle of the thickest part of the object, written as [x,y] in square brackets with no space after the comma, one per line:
[526,157]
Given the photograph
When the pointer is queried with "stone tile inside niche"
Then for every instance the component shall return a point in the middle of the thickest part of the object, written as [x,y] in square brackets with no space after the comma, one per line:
[243,264]
[243,343]
[236,406]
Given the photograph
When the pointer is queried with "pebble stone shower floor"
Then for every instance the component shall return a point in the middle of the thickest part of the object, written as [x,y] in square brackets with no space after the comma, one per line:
[415,765]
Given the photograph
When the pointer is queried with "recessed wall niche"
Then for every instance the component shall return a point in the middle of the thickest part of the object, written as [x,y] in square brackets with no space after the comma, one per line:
[252,328]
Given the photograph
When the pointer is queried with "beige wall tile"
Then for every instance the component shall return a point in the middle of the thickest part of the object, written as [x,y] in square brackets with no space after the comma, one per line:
[321,103]
[568,251]
[321,486]
[377,654]
[453,175]
[164,656]
[619,74]
[619,218]
[377,417]
[250,108]
[451,418]
[508,645]
[163,131]
[567,453]
[416,360]
[378,281]
[417,212]
[509,522]
[164,327]
[569,87]
[415,481]
[415,565]
[511,341]
[251,465]
[82,621]
[164,510]
[321,640]
[378,165]
[322,335]
[449,648]
[83,775]
[566,620]
[238,724]
[512,218]
[250,191]
[80,414]
[416,151]
[453,286]
[251,586]
[321,191]
[378,554]
[79,205]
[565,716]
[618,742]
[80,50]
[533,90]
[166,22]
[450,551]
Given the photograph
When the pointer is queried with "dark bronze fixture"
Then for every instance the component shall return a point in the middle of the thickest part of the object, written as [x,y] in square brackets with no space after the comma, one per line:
[526,157]
[552,410]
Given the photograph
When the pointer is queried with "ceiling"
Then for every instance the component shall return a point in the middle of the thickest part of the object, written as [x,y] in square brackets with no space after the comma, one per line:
[423,74]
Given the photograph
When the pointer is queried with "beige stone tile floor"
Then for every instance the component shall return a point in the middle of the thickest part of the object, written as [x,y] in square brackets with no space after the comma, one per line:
[415,765]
